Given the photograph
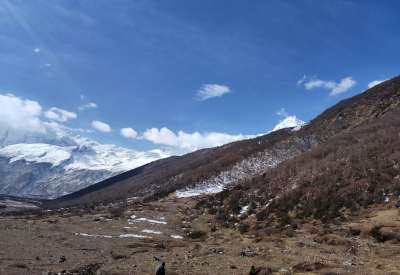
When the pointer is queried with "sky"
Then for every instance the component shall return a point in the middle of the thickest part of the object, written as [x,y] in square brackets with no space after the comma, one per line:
[188,74]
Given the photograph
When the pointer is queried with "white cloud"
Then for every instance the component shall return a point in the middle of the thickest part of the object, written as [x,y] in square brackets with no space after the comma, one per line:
[335,88]
[129,133]
[90,105]
[59,115]
[36,50]
[208,91]
[375,82]
[21,114]
[189,141]
[161,136]
[101,126]
[301,80]
[282,112]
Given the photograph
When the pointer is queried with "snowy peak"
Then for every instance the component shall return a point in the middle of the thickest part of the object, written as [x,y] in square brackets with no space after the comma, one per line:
[289,122]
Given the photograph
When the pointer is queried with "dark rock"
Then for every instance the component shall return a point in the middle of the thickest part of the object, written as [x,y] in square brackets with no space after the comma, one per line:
[308,267]
[195,234]
[260,271]
[354,231]
[62,259]
[118,255]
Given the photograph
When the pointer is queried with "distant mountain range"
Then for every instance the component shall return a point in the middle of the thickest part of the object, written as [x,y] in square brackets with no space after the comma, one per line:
[60,162]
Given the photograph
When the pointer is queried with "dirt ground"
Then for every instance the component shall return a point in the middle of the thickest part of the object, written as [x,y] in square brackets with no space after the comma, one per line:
[173,231]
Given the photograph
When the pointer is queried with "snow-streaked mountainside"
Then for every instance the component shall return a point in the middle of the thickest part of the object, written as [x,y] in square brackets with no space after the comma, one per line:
[60,162]
[248,167]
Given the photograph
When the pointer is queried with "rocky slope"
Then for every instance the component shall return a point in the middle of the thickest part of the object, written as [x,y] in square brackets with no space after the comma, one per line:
[349,170]
[212,170]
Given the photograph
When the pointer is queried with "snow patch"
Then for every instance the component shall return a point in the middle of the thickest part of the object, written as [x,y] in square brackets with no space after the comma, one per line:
[93,235]
[134,236]
[244,209]
[176,237]
[149,231]
[289,122]
[136,220]
[39,153]
[199,190]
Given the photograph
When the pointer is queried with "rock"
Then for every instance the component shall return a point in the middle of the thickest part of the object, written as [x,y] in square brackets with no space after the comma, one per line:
[308,267]
[195,234]
[19,265]
[260,271]
[354,231]
[62,259]
[218,250]
[383,234]
[116,255]
[248,252]
[90,269]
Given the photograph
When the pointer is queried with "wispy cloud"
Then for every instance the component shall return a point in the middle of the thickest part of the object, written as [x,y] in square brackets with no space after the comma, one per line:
[335,88]
[101,126]
[59,115]
[375,82]
[208,91]
[282,112]
[90,105]
[36,50]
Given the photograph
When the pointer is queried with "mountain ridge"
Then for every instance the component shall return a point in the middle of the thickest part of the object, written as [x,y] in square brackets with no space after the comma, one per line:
[170,175]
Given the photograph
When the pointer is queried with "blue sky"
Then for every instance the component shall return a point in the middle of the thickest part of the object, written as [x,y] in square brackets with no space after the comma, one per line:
[226,67]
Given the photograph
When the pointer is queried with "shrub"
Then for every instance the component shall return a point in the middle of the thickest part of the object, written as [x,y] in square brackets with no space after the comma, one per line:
[117,212]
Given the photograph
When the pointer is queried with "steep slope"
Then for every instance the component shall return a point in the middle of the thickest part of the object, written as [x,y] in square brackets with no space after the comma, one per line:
[350,171]
[214,169]
[354,169]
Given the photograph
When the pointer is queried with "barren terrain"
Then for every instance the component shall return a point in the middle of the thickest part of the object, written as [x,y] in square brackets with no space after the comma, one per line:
[190,242]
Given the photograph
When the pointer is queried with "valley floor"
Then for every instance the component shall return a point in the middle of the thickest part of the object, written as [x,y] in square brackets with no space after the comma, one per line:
[172,230]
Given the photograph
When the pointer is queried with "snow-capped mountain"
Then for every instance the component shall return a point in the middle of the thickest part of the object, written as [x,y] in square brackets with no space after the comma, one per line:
[61,162]
[289,122]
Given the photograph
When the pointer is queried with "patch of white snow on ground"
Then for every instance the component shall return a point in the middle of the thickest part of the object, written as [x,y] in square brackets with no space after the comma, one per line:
[132,221]
[199,190]
[93,235]
[177,237]
[149,231]
[244,209]
[386,199]
[134,236]
[110,237]
[17,204]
